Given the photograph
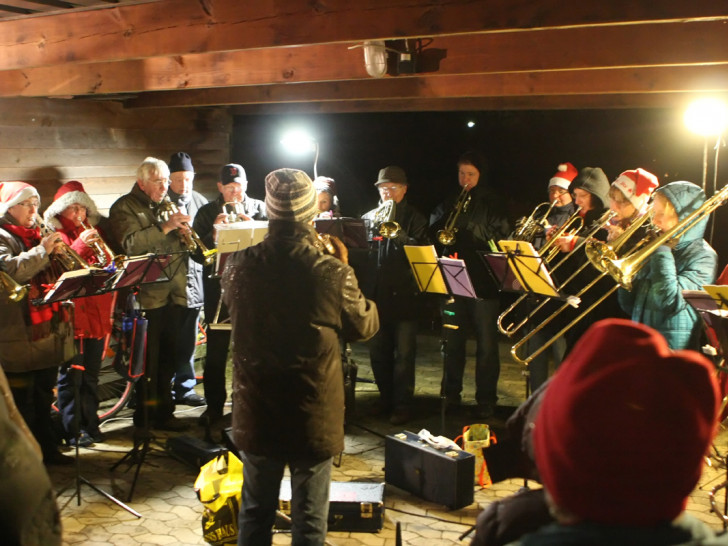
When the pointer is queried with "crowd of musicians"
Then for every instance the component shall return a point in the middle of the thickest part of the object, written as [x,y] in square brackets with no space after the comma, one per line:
[295,301]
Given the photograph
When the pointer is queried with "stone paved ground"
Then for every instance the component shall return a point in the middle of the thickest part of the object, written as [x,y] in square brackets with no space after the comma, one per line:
[170,511]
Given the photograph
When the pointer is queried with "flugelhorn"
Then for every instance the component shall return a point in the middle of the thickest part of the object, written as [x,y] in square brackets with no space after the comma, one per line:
[383,218]
[13,291]
[65,258]
[104,255]
[535,225]
[190,239]
[446,236]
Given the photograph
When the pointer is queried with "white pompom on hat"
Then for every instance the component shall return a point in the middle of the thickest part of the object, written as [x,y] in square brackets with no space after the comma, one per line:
[565,174]
[637,186]
[14,193]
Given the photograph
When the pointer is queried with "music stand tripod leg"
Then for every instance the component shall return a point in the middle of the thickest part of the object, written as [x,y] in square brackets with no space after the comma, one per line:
[76,371]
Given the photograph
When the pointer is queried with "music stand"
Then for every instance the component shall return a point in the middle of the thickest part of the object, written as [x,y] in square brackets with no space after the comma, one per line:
[440,275]
[351,231]
[79,285]
[145,269]
[520,268]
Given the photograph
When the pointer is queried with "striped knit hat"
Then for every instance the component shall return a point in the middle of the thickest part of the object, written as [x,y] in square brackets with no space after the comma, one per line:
[291,196]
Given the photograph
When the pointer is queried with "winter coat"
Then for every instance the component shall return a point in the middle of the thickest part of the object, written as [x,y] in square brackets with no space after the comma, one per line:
[289,305]
[482,221]
[136,224]
[388,278]
[19,352]
[686,530]
[656,296]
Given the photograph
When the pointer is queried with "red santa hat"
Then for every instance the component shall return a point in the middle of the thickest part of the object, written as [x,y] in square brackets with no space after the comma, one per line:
[71,193]
[565,173]
[624,425]
[637,186]
[13,193]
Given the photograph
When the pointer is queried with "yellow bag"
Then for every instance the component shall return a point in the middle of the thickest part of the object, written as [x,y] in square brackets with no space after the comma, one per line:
[218,487]
[475,438]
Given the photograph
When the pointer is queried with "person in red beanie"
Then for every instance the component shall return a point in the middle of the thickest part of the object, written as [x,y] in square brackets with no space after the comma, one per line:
[34,339]
[599,436]
[74,215]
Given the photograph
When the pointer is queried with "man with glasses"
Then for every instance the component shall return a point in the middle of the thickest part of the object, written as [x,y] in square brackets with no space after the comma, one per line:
[392,286]
[140,228]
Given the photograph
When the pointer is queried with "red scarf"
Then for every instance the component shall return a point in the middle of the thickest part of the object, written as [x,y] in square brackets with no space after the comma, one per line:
[30,236]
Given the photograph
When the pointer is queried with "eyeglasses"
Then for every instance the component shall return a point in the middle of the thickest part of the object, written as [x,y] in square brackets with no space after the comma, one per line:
[390,188]
[34,203]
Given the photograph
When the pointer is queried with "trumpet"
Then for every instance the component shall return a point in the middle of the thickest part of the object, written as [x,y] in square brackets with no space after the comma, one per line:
[446,236]
[104,255]
[14,292]
[190,239]
[233,210]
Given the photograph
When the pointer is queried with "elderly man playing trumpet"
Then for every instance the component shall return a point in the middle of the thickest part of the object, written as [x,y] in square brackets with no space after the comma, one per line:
[232,205]
[141,225]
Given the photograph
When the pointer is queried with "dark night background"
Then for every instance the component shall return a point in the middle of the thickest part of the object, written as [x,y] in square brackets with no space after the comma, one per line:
[523,149]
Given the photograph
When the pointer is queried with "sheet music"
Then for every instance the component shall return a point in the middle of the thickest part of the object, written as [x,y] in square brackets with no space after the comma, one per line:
[239,235]
[528,266]
[426,269]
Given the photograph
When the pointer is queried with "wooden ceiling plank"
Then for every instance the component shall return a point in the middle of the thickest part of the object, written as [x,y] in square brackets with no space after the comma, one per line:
[474,104]
[189,26]
[607,81]
[649,45]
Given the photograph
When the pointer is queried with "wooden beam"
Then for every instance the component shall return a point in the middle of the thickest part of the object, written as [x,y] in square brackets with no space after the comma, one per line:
[712,78]
[474,104]
[180,27]
[655,44]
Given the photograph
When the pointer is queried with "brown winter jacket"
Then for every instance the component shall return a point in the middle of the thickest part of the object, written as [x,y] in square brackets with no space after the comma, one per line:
[289,305]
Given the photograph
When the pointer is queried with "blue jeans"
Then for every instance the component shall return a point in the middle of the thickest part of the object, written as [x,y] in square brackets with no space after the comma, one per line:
[392,353]
[310,484]
[481,315]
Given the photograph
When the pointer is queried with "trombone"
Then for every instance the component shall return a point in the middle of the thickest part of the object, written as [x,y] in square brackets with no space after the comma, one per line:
[551,250]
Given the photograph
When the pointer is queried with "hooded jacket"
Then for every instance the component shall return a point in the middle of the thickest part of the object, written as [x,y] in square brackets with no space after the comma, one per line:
[656,296]
[289,305]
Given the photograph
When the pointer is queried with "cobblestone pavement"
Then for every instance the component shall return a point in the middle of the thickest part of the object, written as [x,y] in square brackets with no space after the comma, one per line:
[171,513]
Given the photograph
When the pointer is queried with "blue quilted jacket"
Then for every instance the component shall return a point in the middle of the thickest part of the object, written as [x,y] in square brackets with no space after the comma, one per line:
[656,297]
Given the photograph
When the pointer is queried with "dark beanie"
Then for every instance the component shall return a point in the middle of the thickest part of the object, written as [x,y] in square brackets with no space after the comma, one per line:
[290,196]
[624,424]
[180,162]
[474,159]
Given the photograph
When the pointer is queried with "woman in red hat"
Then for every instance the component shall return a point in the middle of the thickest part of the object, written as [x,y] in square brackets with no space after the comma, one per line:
[34,339]
[73,214]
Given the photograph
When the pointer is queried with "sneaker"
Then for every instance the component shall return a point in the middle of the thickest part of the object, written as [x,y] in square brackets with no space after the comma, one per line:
[172,424]
[191,399]
[84,440]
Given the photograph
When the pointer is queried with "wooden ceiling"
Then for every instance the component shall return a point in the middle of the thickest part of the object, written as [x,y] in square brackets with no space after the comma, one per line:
[280,56]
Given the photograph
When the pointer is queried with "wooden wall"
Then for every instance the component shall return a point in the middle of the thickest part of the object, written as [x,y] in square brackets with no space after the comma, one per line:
[47,142]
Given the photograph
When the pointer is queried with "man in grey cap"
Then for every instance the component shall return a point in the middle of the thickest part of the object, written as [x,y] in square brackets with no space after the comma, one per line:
[390,283]
[290,302]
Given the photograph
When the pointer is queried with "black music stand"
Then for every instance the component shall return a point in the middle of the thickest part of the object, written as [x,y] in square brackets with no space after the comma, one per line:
[520,268]
[440,275]
[351,231]
[150,268]
[81,285]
